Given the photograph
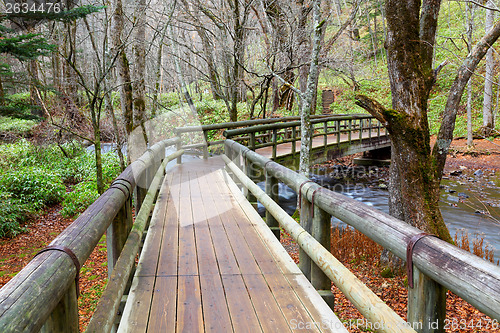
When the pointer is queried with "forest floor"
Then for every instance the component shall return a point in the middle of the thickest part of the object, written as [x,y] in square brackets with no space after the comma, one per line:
[17,252]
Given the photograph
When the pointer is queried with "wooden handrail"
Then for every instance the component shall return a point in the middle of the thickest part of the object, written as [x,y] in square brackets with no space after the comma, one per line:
[29,299]
[231,133]
[473,279]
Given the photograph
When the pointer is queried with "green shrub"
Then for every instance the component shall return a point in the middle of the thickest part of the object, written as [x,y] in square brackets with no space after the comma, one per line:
[82,196]
[16,126]
[35,187]
[12,213]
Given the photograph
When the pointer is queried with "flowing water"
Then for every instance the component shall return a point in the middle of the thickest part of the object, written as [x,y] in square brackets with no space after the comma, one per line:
[468,202]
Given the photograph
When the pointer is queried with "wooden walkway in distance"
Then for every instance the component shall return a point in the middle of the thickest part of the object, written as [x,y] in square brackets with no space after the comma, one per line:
[317,142]
[210,264]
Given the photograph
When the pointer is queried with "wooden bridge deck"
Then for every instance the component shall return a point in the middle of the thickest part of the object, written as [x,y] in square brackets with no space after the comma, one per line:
[210,263]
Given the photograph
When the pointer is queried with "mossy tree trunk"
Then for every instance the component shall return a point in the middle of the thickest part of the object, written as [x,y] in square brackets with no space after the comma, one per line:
[416,168]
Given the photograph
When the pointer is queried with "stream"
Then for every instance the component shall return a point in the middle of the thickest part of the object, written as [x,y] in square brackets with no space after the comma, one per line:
[470,201]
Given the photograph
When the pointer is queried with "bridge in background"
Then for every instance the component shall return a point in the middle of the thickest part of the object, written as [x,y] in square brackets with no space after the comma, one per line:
[208,262]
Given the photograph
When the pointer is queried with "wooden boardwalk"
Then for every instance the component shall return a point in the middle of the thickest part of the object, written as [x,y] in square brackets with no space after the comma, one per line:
[210,264]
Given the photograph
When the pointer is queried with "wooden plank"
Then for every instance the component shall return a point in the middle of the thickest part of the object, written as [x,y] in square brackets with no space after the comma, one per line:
[135,318]
[255,245]
[224,248]
[281,257]
[167,262]
[319,311]
[163,308]
[148,262]
[223,251]
[207,262]
[268,312]
[189,308]
[293,309]
[187,262]
[215,309]
[240,306]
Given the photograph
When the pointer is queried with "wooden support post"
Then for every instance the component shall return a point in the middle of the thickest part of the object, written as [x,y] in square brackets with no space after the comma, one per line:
[275,142]
[294,140]
[370,131]
[306,223]
[325,137]
[426,304]
[350,130]
[251,173]
[117,234]
[337,124]
[205,146]
[378,128]
[179,147]
[272,190]
[321,231]
[64,318]
[141,190]
[252,141]
[360,130]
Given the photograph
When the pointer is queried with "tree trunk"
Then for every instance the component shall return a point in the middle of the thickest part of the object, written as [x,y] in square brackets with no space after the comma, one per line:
[307,97]
[414,192]
[140,67]
[488,124]
[416,171]
[470,28]
[123,66]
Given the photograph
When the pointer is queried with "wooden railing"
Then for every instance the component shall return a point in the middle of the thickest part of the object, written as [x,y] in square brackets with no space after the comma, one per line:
[198,135]
[436,264]
[357,127]
[43,295]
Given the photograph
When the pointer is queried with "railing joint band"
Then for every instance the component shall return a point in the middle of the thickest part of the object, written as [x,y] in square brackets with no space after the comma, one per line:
[300,192]
[73,257]
[409,255]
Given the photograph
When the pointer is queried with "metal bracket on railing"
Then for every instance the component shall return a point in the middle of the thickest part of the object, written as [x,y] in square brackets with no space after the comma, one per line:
[73,257]
[409,255]
[300,192]
[115,182]
[312,200]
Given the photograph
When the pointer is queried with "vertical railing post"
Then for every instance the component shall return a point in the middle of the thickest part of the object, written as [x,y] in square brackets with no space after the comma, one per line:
[205,145]
[378,129]
[294,140]
[272,190]
[64,318]
[426,304]
[321,231]
[325,137]
[360,130]
[337,125]
[306,223]
[252,141]
[370,130]
[275,142]
[117,233]
[350,130]
[178,146]
[251,173]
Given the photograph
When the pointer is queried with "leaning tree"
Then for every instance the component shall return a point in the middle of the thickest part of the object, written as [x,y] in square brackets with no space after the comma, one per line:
[416,169]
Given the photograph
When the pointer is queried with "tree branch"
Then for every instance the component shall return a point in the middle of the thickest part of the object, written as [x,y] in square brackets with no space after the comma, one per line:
[445,136]
[375,108]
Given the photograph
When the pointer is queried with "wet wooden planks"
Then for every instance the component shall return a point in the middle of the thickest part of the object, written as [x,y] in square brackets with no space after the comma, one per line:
[209,264]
